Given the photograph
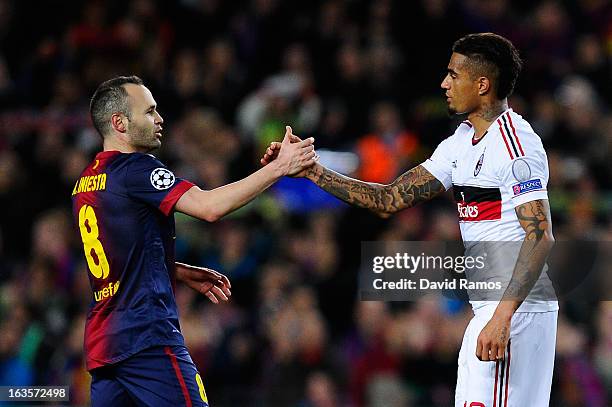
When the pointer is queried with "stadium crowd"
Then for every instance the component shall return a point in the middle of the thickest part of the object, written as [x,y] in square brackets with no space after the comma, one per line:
[363,78]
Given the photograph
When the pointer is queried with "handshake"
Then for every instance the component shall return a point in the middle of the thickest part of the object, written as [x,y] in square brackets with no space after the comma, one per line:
[293,156]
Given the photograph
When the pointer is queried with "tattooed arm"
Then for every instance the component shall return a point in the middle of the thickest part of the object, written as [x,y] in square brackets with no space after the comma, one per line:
[534,217]
[411,188]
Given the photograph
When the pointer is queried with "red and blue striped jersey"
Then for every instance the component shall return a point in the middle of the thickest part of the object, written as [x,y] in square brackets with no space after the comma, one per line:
[123,206]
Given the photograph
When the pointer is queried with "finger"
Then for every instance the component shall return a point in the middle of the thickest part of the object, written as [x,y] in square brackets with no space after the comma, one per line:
[226,281]
[307,148]
[219,293]
[212,297]
[205,287]
[493,352]
[288,132]
[311,154]
[308,157]
[307,142]
[479,349]
[226,290]
[486,349]
[295,139]
[501,351]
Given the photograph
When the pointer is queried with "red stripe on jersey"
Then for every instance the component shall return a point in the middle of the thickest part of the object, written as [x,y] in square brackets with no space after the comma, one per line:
[170,200]
[179,376]
[507,376]
[478,211]
[514,132]
[97,339]
[504,137]
[495,387]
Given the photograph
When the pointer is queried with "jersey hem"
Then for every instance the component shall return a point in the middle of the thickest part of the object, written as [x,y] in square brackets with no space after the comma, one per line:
[92,364]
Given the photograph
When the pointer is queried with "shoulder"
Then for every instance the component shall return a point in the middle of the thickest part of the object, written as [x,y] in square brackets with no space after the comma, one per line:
[460,133]
[144,161]
[515,137]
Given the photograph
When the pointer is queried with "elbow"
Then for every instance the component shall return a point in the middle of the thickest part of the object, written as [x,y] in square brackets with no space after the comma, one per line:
[383,214]
[548,239]
[210,215]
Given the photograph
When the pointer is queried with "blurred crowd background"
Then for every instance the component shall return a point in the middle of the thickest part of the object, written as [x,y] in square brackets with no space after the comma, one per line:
[363,78]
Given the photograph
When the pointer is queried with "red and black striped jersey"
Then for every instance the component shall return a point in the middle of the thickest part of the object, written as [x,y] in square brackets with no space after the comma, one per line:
[123,206]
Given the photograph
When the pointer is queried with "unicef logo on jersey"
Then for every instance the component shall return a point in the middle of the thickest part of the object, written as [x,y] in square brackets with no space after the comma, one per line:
[162,178]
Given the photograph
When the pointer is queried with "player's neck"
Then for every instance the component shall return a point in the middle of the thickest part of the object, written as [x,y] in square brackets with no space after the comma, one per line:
[116,144]
[482,118]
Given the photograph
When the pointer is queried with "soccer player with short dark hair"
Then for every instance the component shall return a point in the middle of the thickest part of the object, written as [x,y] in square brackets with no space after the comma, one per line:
[498,170]
[123,204]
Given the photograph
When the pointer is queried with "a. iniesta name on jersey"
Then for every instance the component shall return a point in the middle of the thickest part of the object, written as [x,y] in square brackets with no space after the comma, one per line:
[90,183]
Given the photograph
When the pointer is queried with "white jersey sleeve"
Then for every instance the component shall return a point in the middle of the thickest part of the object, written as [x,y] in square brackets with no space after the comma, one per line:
[440,164]
[523,169]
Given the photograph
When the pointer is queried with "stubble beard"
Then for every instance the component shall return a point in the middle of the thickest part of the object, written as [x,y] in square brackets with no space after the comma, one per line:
[145,139]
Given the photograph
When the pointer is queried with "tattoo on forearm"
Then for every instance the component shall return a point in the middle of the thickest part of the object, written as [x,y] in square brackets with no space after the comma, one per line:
[410,189]
[535,219]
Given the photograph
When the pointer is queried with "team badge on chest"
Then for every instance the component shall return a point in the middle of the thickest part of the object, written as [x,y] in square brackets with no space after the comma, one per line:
[479,165]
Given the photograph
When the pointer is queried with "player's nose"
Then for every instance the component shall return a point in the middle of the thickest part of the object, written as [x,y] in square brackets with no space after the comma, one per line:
[159,118]
[445,83]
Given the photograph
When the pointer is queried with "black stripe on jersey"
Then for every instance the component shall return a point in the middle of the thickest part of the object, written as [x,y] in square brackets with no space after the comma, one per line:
[509,134]
[463,193]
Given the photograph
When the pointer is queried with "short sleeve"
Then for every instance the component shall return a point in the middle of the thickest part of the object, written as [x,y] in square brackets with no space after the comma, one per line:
[440,164]
[525,178]
[151,182]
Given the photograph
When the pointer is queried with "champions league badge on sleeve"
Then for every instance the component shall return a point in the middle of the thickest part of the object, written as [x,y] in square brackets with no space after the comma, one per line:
[521,170]
[162,178]
[527,186]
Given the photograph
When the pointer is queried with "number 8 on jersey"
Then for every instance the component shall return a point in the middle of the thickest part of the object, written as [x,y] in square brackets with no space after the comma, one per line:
[88,225]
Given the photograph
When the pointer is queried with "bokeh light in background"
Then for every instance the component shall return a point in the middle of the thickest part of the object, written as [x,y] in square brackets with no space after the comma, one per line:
[362,77]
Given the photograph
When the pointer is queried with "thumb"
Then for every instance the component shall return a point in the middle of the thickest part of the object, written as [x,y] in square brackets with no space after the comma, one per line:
[288,134]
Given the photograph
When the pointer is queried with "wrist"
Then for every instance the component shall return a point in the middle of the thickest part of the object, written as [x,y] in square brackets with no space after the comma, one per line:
[314,173]
[276,170]
[506,309]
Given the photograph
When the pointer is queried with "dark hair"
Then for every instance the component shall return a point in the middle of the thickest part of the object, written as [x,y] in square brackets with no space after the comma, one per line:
[494,56]
[110,97]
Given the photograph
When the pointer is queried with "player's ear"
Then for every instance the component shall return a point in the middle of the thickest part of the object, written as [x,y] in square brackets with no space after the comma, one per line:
[484,85]
[119,122]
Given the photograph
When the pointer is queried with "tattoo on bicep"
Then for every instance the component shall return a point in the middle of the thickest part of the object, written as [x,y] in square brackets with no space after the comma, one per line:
[413,187]
[534,218]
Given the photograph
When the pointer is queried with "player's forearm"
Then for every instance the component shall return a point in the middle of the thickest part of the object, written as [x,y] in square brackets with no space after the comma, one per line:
[368,195]
[413,187]
[218,202]
[539,241]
